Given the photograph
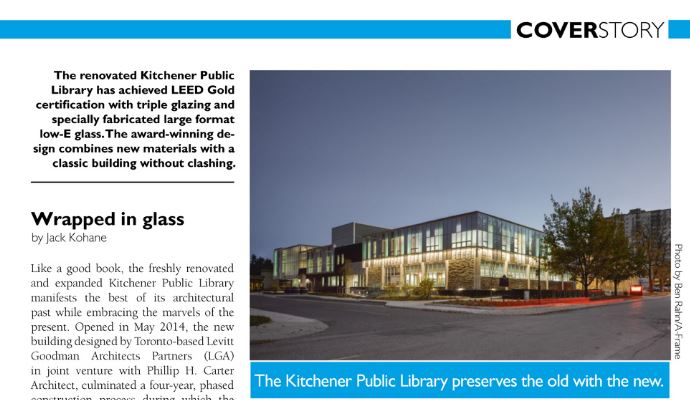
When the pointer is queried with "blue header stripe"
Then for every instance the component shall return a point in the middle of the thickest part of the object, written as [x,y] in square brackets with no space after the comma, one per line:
[255,29]
[679,29]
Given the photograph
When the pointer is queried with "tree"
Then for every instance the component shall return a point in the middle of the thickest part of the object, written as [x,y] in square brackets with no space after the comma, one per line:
[542,263]
[492,270]
[653,242]
[620,259]
[426,287]
[257,264]
[570,233]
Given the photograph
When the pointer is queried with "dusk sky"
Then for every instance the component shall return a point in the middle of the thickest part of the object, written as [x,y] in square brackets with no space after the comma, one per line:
[392,148]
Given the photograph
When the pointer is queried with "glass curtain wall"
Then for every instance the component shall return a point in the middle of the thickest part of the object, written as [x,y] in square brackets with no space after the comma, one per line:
[468,230]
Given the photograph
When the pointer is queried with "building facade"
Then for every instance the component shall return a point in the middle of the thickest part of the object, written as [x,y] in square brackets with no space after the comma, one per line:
[466,251]
[260,278]
[288,262]
[336,267]
[655,222]
[655,225]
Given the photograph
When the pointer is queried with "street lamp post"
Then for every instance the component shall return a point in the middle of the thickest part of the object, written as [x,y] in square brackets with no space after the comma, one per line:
[540,249]
[539,276]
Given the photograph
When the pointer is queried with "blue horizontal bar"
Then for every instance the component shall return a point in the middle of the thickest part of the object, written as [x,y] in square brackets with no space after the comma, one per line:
[679,29]
[255,29]
[367,379]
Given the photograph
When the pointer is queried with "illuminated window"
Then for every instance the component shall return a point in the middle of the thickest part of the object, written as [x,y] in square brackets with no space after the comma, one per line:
[533,274]
[436,273]
[491,269]
[284,263]
[434,237]
[506,239]
[310,262]
[397,244]
[466,238]
[517,271]
[393,276]
[413,274]
[414,242]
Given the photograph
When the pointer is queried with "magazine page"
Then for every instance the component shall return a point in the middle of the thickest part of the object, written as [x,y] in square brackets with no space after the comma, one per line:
[292,200]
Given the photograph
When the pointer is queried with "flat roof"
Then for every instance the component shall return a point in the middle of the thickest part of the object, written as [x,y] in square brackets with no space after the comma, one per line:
[455,216]
[302,244]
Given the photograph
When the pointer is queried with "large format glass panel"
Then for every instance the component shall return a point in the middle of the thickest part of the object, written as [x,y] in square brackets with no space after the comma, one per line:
[434,237]
[284,263]
[310,262]
[506,238]
[393,276]
[436,273]
[329,262]
[413,275]
[517,271]
[397,245]
[490,236]
[455,237]
[414,241]
[491,269]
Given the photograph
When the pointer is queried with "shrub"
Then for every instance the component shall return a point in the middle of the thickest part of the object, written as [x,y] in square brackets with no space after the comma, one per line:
[407,290]
[426,287]
[256,320]
[391,291]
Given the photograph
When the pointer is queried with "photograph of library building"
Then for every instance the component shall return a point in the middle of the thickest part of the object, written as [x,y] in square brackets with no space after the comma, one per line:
[467,251]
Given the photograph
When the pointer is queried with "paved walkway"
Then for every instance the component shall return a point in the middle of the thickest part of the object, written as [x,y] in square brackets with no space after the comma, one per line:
[283,326]
[438,305]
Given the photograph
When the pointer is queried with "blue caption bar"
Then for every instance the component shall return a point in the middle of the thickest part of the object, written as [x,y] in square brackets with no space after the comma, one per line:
[265,29]
[679,29]
[460,379]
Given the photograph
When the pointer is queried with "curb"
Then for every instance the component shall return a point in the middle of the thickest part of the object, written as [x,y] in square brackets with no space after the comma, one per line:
[330,298]
[350,299]
[429,305]
[527,310]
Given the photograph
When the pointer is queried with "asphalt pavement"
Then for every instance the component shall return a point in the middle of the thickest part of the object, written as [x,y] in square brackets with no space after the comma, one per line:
[638,330]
